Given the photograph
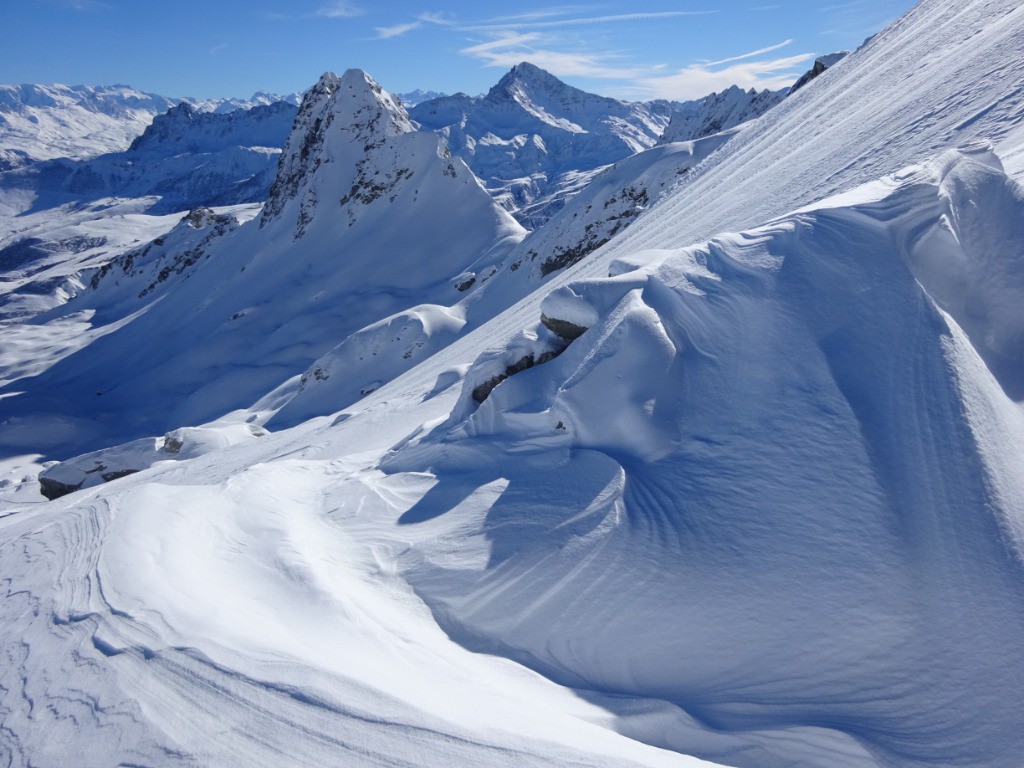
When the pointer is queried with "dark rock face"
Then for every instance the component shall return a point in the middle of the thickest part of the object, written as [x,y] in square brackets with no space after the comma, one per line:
[820,65]
[623,208]
[562,328]
[173,261]
[54,489]
[338,117]
[482,391]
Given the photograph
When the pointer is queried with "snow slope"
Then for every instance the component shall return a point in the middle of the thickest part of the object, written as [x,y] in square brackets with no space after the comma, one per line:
[765,509]
[382,350]
[886,603]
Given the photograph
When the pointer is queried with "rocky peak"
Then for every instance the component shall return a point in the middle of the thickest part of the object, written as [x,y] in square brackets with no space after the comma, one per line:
[530,80]
[375,114]
[341,120]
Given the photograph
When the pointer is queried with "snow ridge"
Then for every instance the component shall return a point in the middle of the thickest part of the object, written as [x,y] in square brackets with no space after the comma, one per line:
[719,112]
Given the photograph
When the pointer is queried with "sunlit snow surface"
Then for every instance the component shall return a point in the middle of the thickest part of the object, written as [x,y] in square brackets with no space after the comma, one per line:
[766,510]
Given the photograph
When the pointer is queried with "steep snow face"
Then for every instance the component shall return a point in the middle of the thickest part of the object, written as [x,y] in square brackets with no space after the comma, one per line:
[40,122]
[531,129]
[366,218]
[611,202]
[703,396]
[719,112]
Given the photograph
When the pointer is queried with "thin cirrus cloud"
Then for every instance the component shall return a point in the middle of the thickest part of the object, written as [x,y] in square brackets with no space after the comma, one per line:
[397,30]
[536,37]
[339,9]
[698,80]
[496,25]
[514,47]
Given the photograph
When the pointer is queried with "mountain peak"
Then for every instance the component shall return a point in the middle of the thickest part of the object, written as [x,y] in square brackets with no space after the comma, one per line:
[341,119]
[530,76]
[327,83]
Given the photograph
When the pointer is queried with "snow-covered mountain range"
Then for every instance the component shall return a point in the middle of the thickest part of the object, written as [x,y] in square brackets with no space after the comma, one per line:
[184,158]
[721,465]
[531,130]
[43,122]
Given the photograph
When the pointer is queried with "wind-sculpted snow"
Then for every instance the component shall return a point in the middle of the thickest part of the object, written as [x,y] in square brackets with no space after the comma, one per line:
[752,496]
[112,659]
[843,342]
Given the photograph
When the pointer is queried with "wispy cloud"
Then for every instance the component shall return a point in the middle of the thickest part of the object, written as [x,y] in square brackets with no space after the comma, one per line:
[510,48]
[752,54]
[396,30]
[339,9]
[87,5]
[497,25]
[218,48]
[698,80]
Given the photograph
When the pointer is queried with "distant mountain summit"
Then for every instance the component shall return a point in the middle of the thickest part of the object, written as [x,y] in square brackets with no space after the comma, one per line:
[418,96]
[183,159]
[531,134]
[367,218]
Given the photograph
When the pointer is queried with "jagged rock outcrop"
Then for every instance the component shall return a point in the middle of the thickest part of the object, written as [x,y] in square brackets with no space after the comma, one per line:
[184,128]
[372,116]
[718,112]
[820,65]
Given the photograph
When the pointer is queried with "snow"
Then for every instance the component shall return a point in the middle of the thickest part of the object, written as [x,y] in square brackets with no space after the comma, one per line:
[757,499]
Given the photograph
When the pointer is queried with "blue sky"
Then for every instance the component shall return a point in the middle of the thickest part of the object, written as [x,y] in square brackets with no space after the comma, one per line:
[658,48]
